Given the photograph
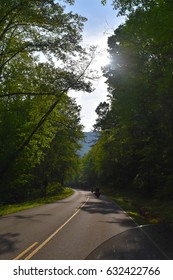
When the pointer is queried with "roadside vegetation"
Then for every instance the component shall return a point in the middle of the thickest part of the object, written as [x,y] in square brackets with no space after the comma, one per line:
[16,207]
[134,153]
[40,127]
[141,209]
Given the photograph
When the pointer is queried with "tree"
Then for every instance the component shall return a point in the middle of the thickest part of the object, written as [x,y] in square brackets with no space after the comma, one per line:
[60,160]
[22,116]
[127,6]
[38,26]
[140,84]
[31,90]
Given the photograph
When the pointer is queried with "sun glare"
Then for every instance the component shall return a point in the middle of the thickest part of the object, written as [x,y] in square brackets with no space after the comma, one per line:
[101,60]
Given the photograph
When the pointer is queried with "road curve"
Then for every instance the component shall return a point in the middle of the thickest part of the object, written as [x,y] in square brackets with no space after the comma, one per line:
[68,229]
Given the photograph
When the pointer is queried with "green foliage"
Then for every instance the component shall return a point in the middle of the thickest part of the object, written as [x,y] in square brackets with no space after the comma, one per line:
[132,202]
[40,26]
[136,143]
[39,124]
[53,189]
[13,208]
[126,6]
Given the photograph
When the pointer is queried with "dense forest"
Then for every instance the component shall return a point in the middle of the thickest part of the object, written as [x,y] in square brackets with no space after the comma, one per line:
[41,59]
[135,149]
[39,123]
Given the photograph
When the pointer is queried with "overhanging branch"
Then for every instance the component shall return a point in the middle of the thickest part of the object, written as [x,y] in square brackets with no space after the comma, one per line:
[27,94]
[13,157]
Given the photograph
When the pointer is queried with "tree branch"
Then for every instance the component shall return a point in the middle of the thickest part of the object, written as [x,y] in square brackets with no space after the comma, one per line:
[9,12]
[16,53]
[13,157]
[27,93]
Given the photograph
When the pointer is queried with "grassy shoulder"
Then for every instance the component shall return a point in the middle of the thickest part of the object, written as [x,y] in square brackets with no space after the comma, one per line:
[13,208]
[142,209]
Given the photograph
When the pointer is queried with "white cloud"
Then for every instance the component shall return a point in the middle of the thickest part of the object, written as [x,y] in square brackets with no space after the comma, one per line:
[102,21]
[89,103]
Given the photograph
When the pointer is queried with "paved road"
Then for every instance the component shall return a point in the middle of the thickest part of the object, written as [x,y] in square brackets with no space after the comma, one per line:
[68,229]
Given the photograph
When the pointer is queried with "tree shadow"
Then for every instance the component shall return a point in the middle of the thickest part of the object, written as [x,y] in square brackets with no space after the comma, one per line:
[125,222]
[60,202]
[8,242]
[107,208]
[22,217]
[101,206]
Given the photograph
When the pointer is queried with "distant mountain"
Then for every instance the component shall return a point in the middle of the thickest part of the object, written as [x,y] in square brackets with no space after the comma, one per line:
[90,139]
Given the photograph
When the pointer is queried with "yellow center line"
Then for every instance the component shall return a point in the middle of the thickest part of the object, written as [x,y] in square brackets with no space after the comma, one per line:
[25,252]
[53,234]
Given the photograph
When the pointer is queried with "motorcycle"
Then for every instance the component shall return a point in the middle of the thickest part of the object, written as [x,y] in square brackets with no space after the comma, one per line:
[97,192]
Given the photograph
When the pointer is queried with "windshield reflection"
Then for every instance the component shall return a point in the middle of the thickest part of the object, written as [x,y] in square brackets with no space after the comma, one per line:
[151,242]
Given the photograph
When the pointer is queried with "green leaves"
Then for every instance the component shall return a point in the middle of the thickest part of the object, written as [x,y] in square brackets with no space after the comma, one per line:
[39,124]
[135,147]
[126,6]
[40,26]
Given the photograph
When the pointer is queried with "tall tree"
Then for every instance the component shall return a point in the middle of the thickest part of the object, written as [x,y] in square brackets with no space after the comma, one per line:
[38,26]
[31,90]
[139,81]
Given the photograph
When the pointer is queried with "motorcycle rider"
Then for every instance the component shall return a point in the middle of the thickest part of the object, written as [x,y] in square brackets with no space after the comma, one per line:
[97,192]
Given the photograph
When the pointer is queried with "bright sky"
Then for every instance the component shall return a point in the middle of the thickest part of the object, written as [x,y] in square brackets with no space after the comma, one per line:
[102,21]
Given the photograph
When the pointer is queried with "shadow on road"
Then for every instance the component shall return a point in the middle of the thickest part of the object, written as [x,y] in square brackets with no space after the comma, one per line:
[106,207]
[125,222]
[8,242]
[22,216]
[101,206]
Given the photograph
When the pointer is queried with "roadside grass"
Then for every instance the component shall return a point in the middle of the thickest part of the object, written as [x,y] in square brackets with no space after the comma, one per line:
[132,203]
[12,208]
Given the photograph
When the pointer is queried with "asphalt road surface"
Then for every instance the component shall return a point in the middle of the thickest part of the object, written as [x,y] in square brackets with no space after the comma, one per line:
[69,229]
